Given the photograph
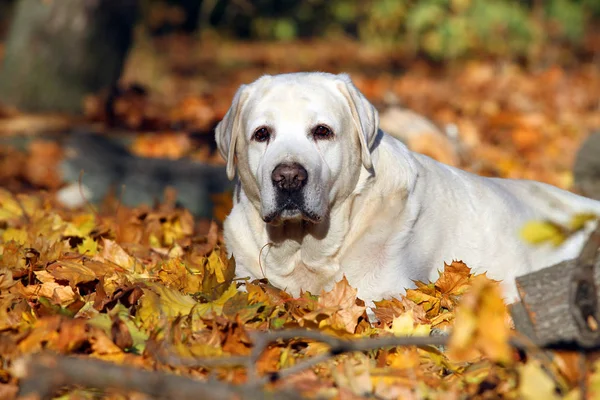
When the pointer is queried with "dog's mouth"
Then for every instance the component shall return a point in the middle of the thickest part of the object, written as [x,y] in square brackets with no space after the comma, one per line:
[291,209]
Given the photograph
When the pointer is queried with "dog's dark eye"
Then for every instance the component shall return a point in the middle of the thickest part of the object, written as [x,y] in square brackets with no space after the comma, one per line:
[322,132]
[262,134]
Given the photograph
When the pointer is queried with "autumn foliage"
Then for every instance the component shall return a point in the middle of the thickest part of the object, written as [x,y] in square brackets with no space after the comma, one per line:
[153,288]
[144,288]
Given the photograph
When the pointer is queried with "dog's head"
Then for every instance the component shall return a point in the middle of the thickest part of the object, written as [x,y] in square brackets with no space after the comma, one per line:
[299,142]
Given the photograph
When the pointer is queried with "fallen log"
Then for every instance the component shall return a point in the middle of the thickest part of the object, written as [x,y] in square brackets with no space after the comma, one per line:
[559,304]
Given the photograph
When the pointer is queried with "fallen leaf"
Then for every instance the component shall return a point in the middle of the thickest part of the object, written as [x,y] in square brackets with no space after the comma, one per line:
[481,324]
[386,310]
[115,254]
[405,325]
[342,306]
[537,232]
[535,383]
[72,272]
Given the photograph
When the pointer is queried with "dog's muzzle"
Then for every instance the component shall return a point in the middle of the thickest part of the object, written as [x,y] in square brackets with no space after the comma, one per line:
[289,178]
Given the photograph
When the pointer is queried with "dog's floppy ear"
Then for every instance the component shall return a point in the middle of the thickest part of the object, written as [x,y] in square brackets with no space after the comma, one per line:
[364,115]
[229,129]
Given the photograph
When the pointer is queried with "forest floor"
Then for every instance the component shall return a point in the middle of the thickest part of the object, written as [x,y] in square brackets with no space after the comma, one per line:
[151,288]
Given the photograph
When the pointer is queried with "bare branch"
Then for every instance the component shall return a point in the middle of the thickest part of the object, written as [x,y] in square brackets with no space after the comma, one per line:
[43,374]
[336,346]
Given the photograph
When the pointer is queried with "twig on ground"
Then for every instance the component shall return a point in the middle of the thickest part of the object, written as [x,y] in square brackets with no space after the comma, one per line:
[170,358]
[44,373]
[336,346]
[41,375]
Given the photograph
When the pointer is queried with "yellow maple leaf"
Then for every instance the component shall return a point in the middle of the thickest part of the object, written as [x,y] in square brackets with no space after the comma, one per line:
[404,358]
[80,226]
[453,283]
[172,230]
[12,206]
[455,278]
[218,272]
[215,265]
[18,235]
[443,320]
[85,223]
[154,241]
[161,303]
[578,221]
[216,306]
[535,384]
[538,232]
[58,294]
[88,247]
[431,303]
[197,350]
[174,273]
[256,294]
[406,325]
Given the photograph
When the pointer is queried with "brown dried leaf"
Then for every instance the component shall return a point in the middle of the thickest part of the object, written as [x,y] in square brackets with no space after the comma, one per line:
[386,310]
[120,334]
[72,272]
[115,254]
[342,305]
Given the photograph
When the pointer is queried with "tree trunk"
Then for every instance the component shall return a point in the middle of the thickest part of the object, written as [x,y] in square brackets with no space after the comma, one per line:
[59,51]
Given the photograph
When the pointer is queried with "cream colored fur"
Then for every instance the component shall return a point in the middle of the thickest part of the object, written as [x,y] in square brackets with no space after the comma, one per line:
[385,216]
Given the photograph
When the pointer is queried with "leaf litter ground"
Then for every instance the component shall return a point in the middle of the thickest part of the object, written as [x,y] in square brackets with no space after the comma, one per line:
[143,288]
[153,288]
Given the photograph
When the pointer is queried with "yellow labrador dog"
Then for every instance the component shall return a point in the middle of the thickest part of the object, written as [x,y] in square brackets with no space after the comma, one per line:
[324,193]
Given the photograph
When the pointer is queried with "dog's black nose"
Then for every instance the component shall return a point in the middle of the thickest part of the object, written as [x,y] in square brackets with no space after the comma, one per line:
[289,177]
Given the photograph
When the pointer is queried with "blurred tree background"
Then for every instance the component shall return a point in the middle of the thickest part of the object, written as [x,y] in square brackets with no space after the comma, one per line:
[49,67]
[508,74]
[60,51]
[440,29]
[111,104]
